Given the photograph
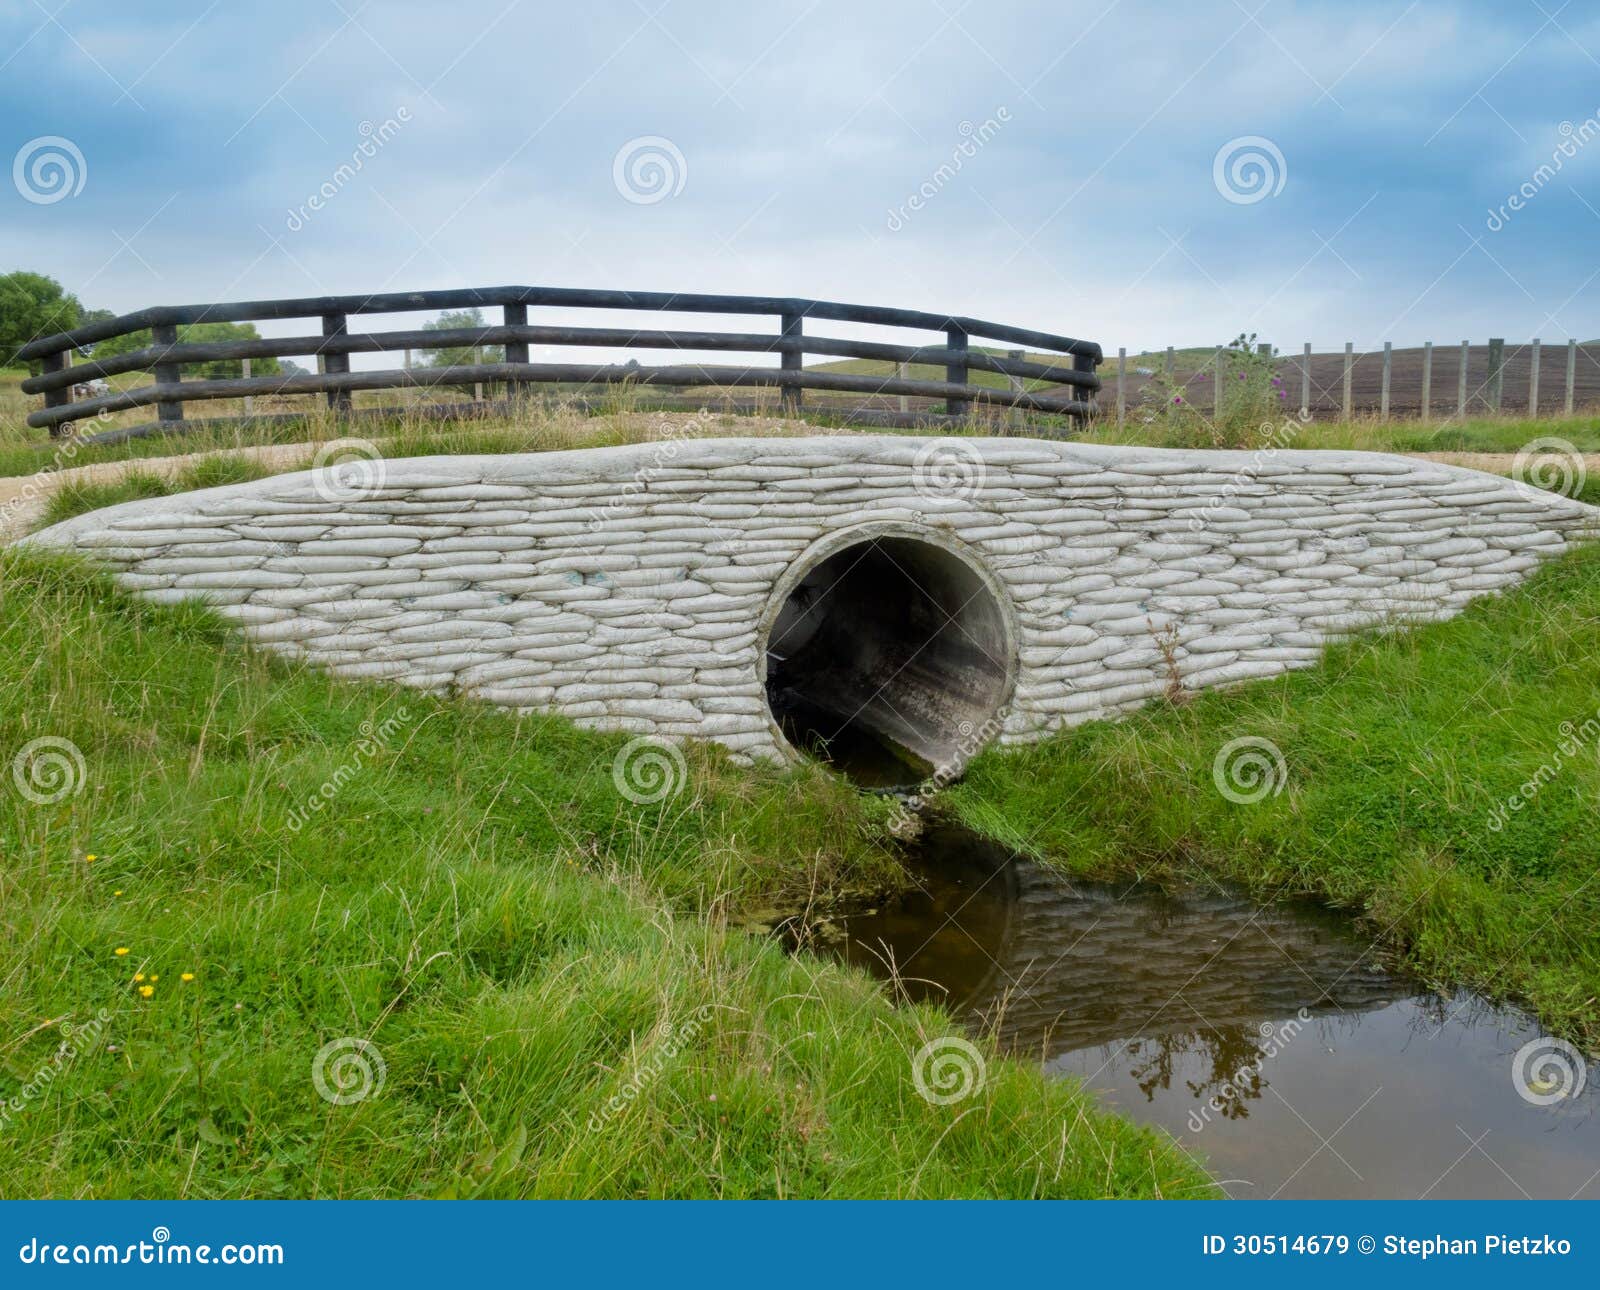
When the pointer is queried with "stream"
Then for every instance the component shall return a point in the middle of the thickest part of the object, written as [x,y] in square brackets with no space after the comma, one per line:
[1272,1040]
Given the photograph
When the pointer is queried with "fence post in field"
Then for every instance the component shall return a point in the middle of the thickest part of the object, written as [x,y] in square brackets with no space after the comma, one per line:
[1533,379]
[1461,383]
[793,327]
[1572,372]
[1122,384]
[1427,379]
[955,371]
[516,350]
[1349,362]
[1388,369]
[1305,382]
[249,403]
[903,371]
[1015,382]
[1497,371]
[1083,363]
[334,325]
[57,398]
[167,373]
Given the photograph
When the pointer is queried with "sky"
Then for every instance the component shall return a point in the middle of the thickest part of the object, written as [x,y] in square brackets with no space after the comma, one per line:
[1136,173]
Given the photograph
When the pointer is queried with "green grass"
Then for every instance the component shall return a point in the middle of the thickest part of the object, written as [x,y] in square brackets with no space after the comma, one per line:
[478,902]
[1398,749]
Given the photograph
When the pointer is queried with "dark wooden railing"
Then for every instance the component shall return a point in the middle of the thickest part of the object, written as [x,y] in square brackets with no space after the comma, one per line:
[334,343]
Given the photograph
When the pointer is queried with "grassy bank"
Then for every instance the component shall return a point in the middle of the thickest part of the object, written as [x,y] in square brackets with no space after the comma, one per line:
[1401,756]
[542,966]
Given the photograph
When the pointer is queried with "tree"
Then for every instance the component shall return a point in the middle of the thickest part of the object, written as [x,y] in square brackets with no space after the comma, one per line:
[197,333]
[460,355]
[32,305]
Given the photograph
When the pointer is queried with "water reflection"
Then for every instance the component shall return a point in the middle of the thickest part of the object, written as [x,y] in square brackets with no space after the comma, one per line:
[1272,1039]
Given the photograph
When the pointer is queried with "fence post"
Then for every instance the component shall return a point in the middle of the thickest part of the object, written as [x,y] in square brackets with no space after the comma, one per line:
[1572,371]
[902,370]
[57,362]
[1497,371]
[1084,394]
[1122,384]
[1388,369]
[516,350]
[249,403]
[1461,384]
[1349,349]
[1305,382]
[1533,379]
[333,364]
[955,371]
[167,373]
[793,329]
[1015,385]
[1427,380]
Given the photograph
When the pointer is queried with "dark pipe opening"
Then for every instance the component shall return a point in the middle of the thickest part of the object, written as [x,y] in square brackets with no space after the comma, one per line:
[889,659]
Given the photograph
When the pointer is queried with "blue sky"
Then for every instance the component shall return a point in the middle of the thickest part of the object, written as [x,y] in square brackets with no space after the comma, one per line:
[1088,200]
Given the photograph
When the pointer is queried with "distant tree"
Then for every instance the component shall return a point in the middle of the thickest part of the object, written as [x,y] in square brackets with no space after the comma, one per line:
[32,305]
[197,333]
[460,355]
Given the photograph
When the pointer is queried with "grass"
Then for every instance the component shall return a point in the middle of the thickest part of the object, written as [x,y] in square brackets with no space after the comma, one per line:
[1401,753]
[475,900]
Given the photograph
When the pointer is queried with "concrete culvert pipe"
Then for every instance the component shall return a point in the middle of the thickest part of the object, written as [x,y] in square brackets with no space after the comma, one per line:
[889,655]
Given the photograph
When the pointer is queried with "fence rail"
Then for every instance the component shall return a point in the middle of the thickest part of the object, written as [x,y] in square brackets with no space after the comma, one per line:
[334,343]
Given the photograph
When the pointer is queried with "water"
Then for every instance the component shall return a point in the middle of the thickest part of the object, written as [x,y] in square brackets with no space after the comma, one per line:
[1273,1041]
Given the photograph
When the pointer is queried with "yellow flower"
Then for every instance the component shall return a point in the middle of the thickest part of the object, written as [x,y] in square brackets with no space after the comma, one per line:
[154,977]
[186,976]
[138,976]
[147,990]
[120,950]
[90,859]
[117,893]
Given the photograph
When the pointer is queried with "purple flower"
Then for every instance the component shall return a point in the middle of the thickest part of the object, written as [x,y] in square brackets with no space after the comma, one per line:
[1277,380]
[1177,400]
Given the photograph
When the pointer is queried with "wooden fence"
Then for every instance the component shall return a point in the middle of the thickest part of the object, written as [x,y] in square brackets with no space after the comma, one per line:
[1427,382]
[1071,364]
